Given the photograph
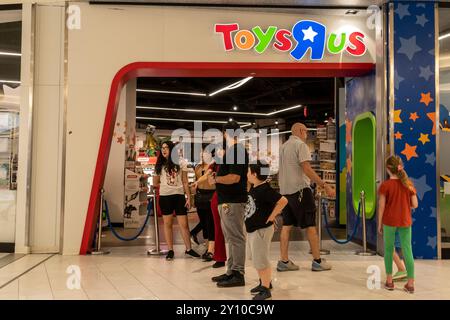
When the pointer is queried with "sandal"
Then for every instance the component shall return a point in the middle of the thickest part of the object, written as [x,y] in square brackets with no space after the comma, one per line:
[409,289]
[389,286]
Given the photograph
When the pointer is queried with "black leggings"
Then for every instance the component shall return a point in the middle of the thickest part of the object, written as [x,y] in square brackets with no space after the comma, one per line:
[206,224]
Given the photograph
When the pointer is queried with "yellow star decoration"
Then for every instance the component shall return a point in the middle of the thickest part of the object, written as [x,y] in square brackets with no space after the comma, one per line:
[397,118]
[424,138]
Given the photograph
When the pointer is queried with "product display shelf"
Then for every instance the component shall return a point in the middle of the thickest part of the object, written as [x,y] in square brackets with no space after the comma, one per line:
[327,162]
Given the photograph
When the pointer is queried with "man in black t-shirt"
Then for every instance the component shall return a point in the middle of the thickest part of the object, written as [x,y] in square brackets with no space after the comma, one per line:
[231,187]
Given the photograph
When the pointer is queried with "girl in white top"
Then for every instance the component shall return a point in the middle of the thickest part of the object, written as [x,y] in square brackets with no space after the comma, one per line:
[171,178]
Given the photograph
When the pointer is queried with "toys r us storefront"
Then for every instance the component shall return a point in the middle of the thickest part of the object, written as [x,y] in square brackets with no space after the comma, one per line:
[90,52]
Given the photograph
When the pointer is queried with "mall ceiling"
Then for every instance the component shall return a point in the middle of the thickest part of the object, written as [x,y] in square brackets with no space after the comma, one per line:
[262,100]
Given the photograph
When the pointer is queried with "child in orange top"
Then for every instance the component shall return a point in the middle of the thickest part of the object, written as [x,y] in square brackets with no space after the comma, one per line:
[397,196]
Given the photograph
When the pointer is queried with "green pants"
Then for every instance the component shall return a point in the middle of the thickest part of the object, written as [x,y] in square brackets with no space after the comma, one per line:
[405,241]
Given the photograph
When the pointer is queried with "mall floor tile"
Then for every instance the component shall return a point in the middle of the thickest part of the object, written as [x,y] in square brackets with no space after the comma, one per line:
[128,273]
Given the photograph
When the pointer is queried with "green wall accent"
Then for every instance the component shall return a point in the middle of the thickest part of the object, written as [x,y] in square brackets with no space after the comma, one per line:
[364,161]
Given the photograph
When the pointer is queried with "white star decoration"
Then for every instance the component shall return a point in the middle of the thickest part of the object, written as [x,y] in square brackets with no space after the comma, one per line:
[310,34]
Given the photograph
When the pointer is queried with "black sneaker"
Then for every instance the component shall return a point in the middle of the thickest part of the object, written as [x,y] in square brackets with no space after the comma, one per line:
[218,264]
[237,280]
[264,294]
[259,288]
[170,255]
[207,257]
[222,277]
[192,253]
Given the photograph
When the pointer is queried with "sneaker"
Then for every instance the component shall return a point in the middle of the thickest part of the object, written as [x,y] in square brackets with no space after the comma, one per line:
[389,286]
[192,253]
[170,255]
[207,257]
[259,288]
[399,275]
[323,266]
[236,280]
[287,266]
[409,289]
[222,277]
[218,264]
[264,294]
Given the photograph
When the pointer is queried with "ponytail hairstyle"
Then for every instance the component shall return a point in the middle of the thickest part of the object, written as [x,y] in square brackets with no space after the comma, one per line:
[395,166]
[168,163]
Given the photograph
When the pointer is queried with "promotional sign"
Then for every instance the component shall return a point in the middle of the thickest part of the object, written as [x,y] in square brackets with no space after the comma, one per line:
[305,35]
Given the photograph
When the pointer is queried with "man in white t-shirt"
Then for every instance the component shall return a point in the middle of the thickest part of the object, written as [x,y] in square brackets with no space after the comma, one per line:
[295,175]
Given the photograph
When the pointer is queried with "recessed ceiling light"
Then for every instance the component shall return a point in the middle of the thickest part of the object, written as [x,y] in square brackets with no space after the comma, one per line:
[235,108]
[276,122]
[218,111]
[172,92]
[231,119]
[188,120]
[12,54]
[352,11]
[444,36]
[232,86]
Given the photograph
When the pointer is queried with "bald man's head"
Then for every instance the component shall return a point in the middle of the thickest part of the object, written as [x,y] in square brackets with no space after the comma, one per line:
[299,130]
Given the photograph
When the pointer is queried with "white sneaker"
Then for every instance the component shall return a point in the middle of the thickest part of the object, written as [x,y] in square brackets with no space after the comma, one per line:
[287,266]
[323,266]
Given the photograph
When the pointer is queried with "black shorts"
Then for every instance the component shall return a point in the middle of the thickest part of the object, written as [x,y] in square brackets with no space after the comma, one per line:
[173,203]
[300,213]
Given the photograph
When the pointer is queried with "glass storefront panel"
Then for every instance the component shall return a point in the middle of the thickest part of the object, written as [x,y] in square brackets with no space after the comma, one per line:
[444,134]
[10,58]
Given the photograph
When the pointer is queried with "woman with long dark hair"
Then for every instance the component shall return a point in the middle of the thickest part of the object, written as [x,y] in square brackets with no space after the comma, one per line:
[174,196]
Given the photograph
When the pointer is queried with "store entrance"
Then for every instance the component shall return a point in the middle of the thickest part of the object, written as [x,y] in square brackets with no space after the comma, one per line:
[164,106]
[361,92]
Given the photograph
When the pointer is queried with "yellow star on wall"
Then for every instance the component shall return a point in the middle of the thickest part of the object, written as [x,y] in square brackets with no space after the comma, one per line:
[424,138]
[397,118]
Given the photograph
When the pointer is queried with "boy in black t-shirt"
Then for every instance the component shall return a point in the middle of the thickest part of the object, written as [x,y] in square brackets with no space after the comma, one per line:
[263,206]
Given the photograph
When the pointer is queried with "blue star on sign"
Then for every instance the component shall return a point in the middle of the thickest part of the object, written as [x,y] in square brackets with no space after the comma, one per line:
[421,20]
[433,213]
[409,47]
[397,79]
[421,186]
[403,10]
[431,159]
[425,73]
[432,242]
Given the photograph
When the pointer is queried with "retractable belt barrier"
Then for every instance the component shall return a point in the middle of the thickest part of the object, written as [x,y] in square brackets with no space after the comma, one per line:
[355,228]
[117,235]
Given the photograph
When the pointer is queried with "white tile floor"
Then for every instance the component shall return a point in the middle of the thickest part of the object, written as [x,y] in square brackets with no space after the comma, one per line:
[128,273]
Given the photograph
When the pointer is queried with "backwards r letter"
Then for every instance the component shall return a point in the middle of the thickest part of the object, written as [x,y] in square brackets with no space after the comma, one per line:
[309,34]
